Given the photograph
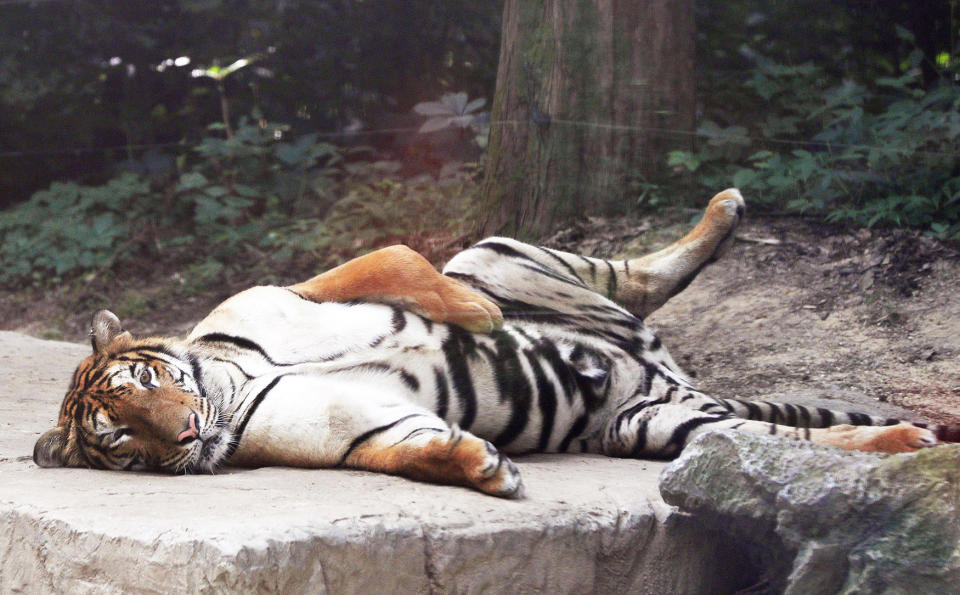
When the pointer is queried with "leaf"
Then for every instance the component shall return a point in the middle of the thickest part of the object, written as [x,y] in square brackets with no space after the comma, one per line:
[904,33]
[687,160]
[434,124]
[191,181]
[216,191]
[743,178]
[475,105]
[432,108]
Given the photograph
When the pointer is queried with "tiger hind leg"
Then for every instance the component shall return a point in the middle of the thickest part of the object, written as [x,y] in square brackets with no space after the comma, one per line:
[650,428]
[642,285]
[445,455]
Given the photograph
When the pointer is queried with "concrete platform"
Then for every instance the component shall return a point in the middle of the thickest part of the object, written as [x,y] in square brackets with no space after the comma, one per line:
[588,523]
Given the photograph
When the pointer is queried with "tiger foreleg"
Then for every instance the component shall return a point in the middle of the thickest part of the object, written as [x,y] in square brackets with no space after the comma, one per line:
[398,275]
[438,455]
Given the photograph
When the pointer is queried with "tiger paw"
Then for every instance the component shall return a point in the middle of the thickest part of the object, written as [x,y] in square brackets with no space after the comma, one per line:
[484,467]
[464,307]
[499,476]
[723,215]
[903,437]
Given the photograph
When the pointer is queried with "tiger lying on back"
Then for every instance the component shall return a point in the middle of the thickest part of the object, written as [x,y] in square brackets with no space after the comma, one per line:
[384,364]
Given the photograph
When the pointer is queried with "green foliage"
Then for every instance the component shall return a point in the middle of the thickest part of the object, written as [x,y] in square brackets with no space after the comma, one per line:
[114,72]
[881,155]
[246,201]
[69,228]
[453,109]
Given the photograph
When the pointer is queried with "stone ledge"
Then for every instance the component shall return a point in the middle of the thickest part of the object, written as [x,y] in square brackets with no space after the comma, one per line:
[821,520]
[588,524]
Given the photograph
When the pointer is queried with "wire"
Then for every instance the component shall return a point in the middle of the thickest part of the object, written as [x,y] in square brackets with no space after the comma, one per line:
[28,2]
[559,122]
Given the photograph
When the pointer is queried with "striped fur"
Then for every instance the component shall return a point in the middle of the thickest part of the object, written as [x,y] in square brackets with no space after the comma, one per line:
[280,376]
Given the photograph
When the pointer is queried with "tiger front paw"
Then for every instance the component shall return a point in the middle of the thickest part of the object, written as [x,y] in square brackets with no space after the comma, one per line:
[464,307]
[499,476]
[484,467]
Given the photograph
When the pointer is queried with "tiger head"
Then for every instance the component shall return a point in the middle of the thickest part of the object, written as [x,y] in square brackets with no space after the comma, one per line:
[135,404]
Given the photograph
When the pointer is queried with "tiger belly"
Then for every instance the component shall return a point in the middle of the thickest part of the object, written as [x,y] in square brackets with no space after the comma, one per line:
[306,421]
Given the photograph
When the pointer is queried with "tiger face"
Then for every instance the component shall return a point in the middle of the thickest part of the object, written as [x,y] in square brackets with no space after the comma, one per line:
[135,404]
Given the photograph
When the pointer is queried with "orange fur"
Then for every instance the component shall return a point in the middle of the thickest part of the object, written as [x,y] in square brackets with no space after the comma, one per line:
[399,275]
[903,437]
[655,278]
[460,461]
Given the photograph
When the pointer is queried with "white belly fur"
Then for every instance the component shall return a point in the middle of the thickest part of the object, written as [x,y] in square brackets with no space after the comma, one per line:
[292,329]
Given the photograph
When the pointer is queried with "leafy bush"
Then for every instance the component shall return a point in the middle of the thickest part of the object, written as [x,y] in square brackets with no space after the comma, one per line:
[248,201]
[69,228]
[883,155]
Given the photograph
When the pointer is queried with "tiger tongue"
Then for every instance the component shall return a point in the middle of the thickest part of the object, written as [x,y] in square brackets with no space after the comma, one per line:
[190,432]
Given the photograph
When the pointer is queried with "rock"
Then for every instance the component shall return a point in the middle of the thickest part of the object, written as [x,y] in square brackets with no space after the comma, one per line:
[822,520]
[589,524]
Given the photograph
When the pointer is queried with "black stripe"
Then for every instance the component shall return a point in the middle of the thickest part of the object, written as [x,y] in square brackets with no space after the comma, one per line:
[241,342]
[249,412]
[566,264]
[860,419]
[640,445]
[551,355]
[680,434]
[753,410]
[542,270]
[194,364]
[774,415]
[456,348]
[235,365]
[826,417]
[791,415]
[592,265]
[399,320]
[410,380]
[371,433]
[300,296]
[419,431]
[443,393]
[546,402]
[513,384]
[612,281]
[575,430]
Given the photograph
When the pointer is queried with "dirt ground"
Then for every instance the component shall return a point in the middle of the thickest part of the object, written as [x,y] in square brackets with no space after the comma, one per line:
[812,314]
[795,311]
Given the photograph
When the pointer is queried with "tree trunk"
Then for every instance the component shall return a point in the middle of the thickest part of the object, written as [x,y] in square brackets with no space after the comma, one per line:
[586,92]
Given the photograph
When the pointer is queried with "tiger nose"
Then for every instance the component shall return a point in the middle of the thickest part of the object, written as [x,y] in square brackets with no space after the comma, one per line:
[192,431]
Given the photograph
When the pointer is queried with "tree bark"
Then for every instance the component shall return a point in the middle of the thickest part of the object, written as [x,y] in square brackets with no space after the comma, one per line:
[586,92]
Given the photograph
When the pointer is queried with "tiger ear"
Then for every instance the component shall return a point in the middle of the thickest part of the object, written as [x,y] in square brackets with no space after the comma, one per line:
[104,328]
[48,451]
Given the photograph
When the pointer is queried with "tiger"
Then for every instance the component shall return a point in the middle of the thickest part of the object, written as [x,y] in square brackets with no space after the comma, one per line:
[385,364]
